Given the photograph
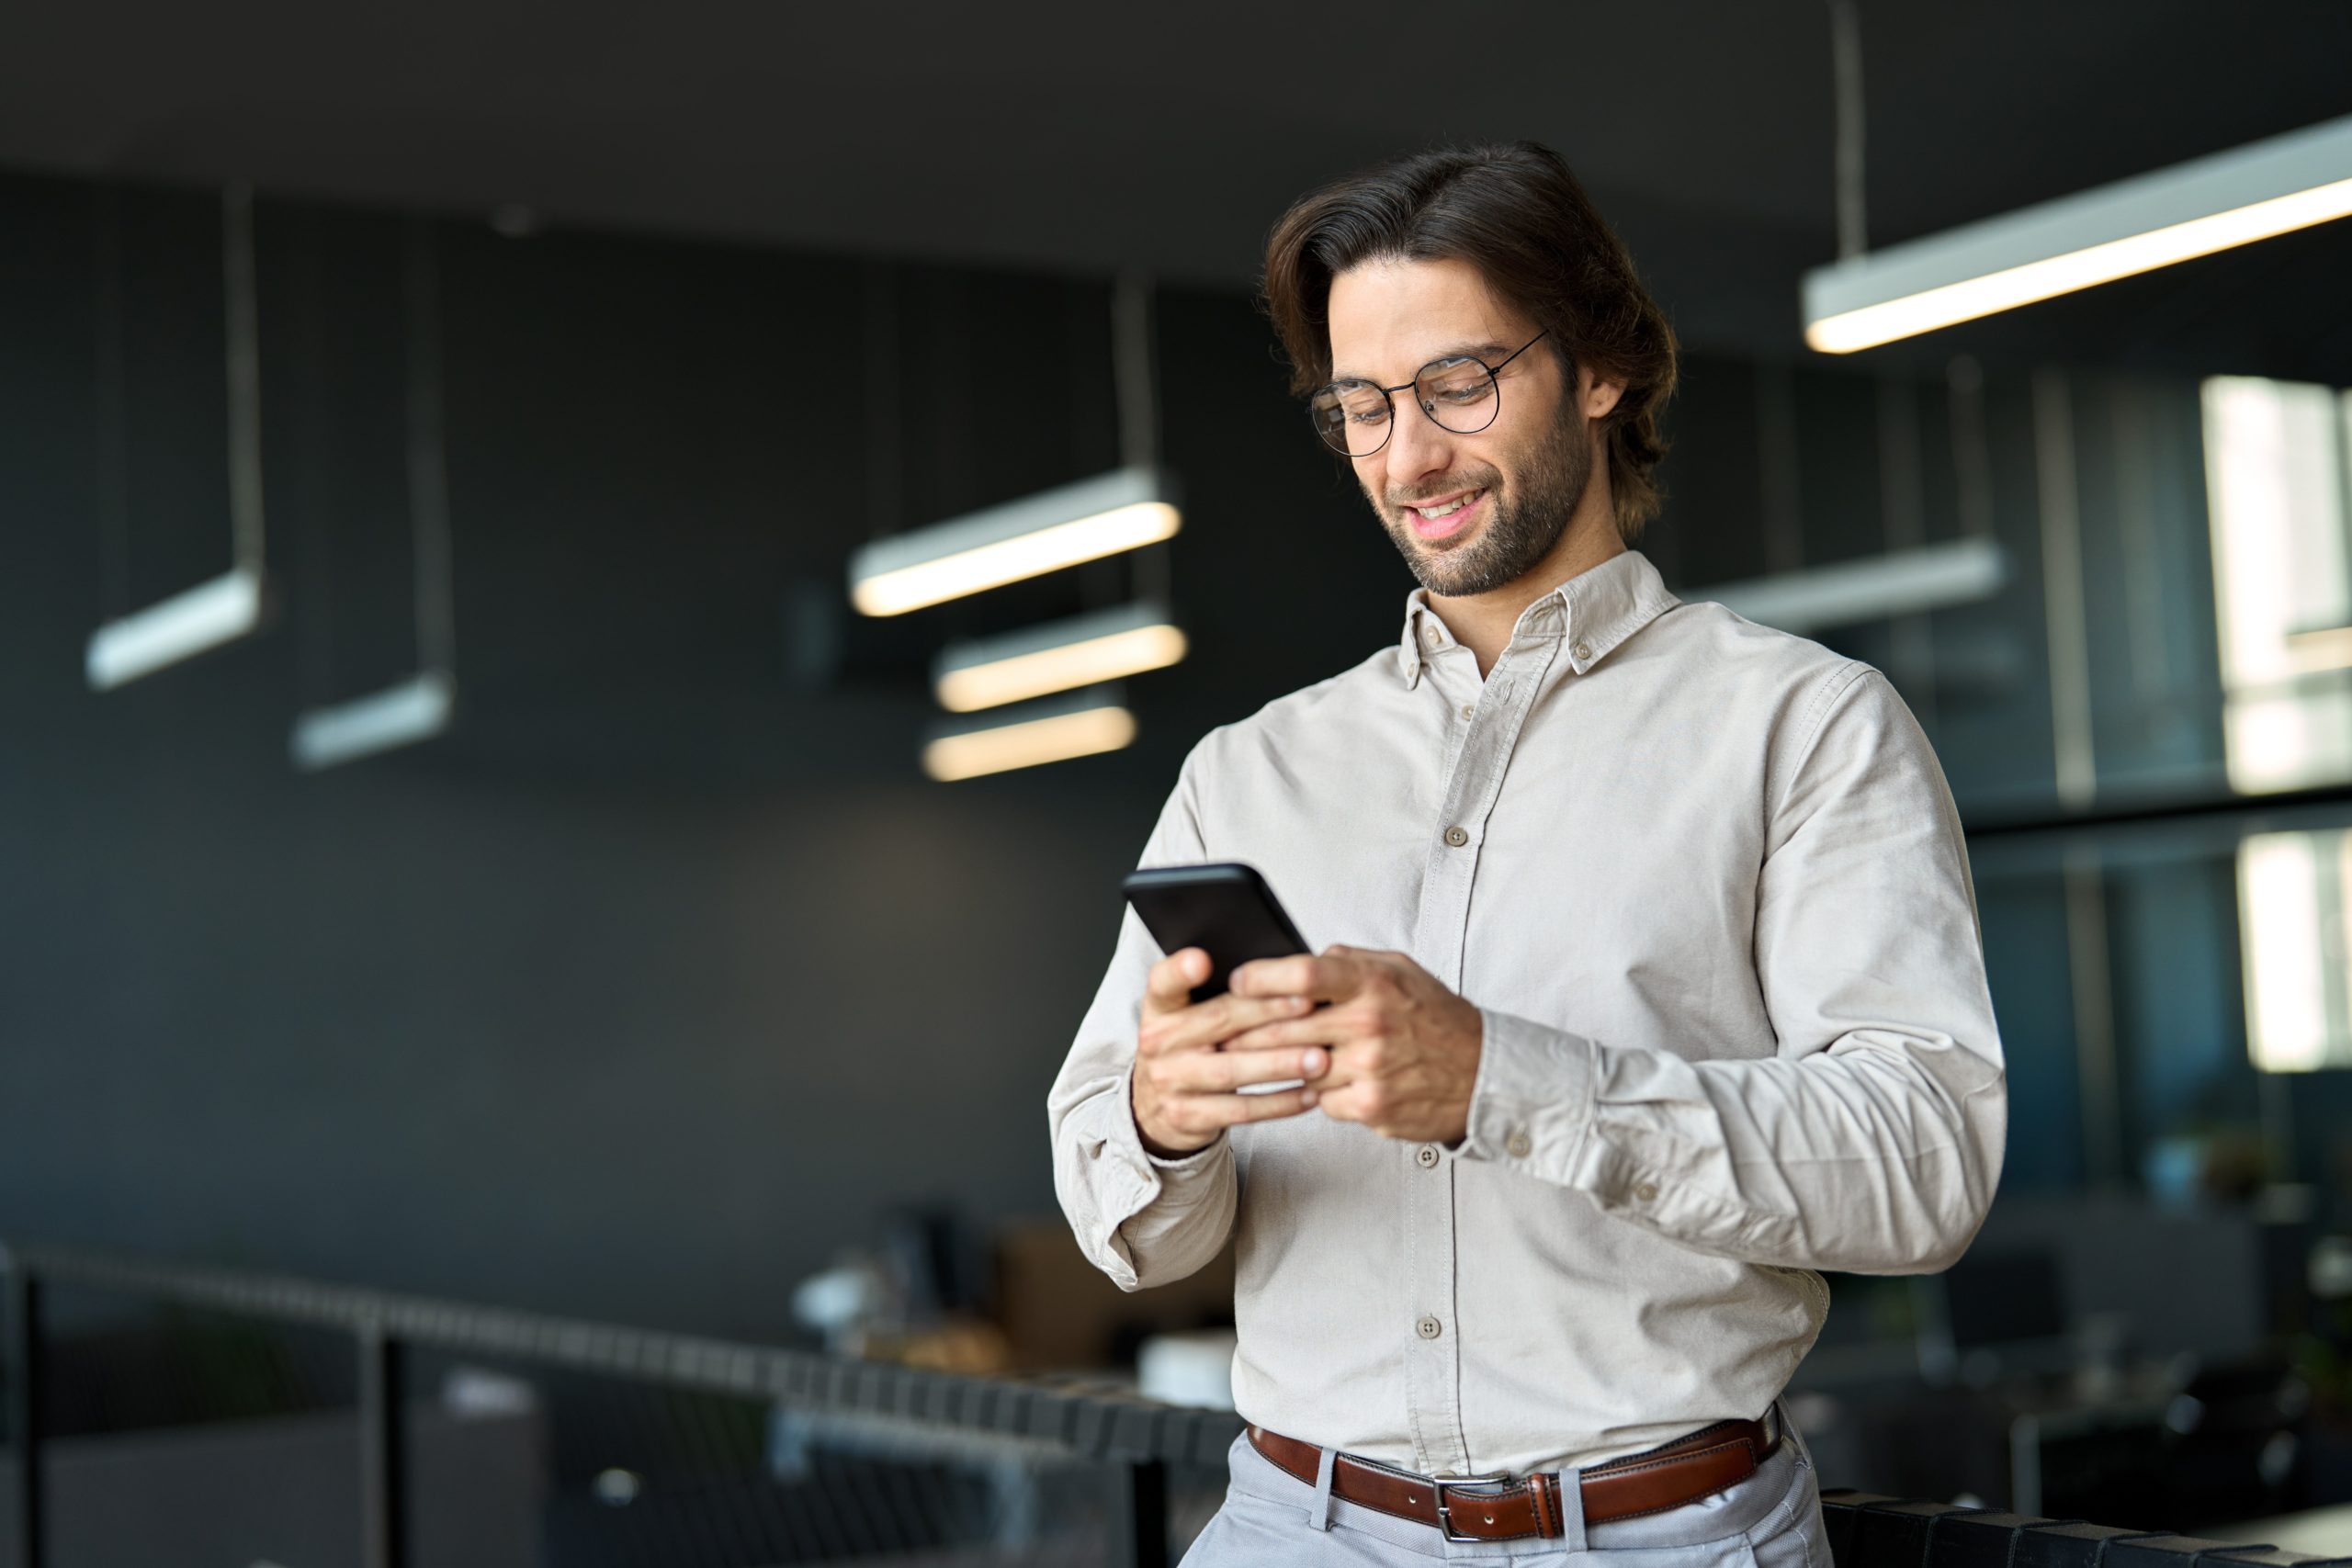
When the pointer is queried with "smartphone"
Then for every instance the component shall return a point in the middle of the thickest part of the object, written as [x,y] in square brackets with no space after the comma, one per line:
[1226,908]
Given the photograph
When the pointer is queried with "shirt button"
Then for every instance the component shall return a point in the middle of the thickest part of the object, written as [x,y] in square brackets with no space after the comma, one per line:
[1581,651]
[1457,837]
[1429,1328]
[1433,637]
[1518,1146]
[1468,712]
[1426,1156]
[1646,1193]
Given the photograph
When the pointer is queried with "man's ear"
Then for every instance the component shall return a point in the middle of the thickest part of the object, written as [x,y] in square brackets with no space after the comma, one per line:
[1595,395]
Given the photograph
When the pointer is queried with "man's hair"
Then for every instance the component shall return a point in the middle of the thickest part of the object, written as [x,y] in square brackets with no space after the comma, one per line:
[1514,211]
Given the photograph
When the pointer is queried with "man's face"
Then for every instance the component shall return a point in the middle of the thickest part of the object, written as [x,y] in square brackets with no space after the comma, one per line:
[1471,513]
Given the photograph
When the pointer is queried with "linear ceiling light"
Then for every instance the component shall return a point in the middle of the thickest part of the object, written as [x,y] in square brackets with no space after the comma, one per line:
[2322,648]
[1903,582]
[1077,725]
[1081,651]
[187,623]
[417,709]
[2207,204]
[1123,510]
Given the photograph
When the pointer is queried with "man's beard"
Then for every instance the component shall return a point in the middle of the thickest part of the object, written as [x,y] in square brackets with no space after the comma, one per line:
[1527,522]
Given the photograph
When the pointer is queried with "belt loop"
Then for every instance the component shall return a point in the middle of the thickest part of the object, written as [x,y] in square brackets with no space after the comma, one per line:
[1319,1515]
[1572,1510]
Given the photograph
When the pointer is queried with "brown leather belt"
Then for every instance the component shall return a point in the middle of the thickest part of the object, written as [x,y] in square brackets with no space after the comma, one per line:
[1496,1507]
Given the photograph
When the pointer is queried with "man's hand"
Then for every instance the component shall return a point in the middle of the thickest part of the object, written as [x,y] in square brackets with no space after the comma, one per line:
[1404,1049]
[1188,1072]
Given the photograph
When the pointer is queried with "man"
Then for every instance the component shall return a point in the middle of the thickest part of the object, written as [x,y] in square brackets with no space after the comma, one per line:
[1662,986]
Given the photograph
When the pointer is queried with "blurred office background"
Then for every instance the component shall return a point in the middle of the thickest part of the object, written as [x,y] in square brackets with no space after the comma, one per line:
[662,986]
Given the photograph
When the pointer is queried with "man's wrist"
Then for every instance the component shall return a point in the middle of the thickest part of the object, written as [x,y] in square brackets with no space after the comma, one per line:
[1456,1127]
[1151,1146]
[1159,1150]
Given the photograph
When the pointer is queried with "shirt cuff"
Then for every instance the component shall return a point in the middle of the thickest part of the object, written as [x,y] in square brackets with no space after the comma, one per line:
[1176,1180]
[1530,1108]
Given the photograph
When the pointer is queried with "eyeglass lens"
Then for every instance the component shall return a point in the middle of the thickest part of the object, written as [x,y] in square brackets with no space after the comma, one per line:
[1354,417]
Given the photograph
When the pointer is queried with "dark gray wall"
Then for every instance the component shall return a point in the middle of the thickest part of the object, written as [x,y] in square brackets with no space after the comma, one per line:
[663,977]
[660,978]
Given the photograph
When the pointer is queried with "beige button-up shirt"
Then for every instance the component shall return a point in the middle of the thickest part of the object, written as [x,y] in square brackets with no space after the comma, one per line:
[1706,886]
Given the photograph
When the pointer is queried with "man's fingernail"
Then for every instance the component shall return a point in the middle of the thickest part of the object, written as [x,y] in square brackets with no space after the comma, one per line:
[1310,1061]
[1308,1098]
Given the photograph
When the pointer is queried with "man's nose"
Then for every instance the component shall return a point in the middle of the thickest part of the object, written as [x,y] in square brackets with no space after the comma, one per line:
[1416,445]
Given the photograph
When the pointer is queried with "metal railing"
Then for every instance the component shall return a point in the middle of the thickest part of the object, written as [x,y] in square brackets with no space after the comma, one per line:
[1870,1531]
[1137,1439]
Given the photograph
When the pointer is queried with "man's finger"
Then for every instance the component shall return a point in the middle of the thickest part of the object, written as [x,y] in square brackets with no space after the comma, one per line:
[1344,1103]
[1232,1109]
[1331,977]
[1169,986]
[1323,1026]
[1206,1072]
[1213,1022]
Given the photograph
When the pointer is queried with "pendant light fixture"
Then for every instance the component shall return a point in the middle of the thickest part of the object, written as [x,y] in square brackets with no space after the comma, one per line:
[229,606]
[1079,724]
[423,705]
[1084,650]
[1018,675]
[2255,192]
[1130,507]
[1901,582]
[1124,510]
[2210,204]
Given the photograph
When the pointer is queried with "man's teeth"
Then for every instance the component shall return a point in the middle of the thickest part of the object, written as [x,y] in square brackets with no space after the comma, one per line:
[1440,514]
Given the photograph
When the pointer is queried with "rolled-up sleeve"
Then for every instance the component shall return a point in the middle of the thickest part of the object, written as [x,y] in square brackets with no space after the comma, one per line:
[1142,1220]
[1870,1139]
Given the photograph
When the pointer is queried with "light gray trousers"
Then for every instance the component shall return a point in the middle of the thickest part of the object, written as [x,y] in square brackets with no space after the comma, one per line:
[1270,1519]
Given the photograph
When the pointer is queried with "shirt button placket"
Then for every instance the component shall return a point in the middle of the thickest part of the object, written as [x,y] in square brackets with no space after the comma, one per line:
[1434,1372]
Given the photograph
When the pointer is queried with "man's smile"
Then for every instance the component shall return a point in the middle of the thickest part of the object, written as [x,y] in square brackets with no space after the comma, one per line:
[1441,518]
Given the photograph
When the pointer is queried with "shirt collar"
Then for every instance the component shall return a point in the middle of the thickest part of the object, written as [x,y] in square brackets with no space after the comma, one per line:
[1596,610]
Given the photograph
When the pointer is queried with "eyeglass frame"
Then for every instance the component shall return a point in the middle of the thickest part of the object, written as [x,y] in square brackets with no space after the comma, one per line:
[1494,379]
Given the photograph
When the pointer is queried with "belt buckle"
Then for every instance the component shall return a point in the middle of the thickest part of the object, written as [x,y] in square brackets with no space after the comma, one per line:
[1444,1510]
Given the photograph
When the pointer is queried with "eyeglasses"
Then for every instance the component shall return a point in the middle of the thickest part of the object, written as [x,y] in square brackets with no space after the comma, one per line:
[1459,394]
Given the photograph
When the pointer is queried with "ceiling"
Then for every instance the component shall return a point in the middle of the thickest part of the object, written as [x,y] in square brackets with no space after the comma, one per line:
[1082,137]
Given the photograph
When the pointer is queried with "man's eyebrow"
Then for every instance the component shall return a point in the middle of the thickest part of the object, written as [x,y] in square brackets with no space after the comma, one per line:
[1488,352]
